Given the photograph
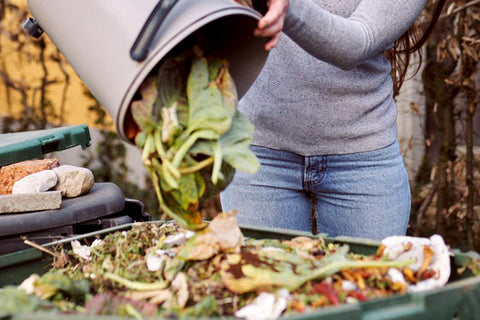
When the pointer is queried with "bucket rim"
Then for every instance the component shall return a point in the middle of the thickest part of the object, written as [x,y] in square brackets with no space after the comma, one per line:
[159,53]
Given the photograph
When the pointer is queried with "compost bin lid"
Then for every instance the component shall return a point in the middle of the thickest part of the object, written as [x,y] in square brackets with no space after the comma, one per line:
[104,199]
[28,145]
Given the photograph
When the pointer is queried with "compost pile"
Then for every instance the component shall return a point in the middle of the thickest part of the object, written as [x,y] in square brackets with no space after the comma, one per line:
[162,269]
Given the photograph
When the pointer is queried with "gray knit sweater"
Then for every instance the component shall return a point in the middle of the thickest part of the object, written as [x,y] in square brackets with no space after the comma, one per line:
[326,88]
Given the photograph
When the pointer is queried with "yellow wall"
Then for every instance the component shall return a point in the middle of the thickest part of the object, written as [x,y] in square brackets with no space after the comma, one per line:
[22,66]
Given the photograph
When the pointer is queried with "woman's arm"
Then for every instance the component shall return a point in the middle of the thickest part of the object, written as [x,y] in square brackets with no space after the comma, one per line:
[346,42]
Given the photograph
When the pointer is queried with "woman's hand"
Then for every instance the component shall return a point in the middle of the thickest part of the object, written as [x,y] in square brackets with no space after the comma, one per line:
[271,24]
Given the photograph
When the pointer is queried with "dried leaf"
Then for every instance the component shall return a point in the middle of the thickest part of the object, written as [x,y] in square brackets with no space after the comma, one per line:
[222,234]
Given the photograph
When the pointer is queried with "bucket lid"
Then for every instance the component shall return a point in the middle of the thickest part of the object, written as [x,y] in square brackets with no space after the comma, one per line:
[28,145]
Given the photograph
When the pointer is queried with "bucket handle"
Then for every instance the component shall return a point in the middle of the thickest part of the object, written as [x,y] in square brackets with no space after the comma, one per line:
[139,50]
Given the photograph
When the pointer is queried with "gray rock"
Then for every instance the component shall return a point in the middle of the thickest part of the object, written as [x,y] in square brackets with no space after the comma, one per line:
[30,202]
[73,181]
[35,182]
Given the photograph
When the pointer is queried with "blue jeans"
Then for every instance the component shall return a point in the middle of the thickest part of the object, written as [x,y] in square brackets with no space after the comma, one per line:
[363,194]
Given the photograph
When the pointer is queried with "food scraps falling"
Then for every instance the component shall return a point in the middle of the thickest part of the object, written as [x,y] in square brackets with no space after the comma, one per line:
[157,269]
[191,133]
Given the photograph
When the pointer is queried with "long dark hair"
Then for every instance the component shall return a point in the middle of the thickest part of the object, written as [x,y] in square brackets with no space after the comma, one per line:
[409,43]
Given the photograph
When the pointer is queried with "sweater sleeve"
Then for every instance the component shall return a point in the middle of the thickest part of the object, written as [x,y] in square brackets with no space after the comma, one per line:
[347,42]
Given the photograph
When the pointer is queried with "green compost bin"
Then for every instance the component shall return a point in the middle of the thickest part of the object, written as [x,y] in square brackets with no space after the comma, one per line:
[459,299]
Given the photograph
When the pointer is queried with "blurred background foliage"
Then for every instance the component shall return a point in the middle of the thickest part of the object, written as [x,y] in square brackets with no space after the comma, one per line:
[39,89]
[445,196]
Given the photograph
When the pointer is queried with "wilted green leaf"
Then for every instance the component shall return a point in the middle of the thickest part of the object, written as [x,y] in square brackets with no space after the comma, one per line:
[142,110]
[205,308]
[229,91]
[15,301]
[142,114]
[51,284]
[227,176]
[198,78]
[279,270]
[188,189]
[235,145]
[170,124]
[207,112]
[140,139]
[171,81]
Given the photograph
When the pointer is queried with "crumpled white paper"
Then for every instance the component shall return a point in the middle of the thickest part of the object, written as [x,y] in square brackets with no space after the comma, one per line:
[155,260]
[411,248]
[83,251]
[267,306]
[179,238]
[29,284]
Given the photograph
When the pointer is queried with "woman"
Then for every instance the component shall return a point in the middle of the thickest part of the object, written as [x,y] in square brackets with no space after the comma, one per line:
[325,120]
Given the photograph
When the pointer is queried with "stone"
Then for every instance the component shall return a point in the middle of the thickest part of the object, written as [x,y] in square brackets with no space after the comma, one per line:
[73,181]
[27,202]
[35,183]
[14,172]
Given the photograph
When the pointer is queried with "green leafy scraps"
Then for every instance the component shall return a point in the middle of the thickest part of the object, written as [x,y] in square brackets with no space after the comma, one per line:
[14,301]
[57,286]
[191,134]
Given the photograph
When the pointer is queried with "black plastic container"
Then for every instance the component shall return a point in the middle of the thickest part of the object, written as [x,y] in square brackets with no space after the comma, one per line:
[103,207]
